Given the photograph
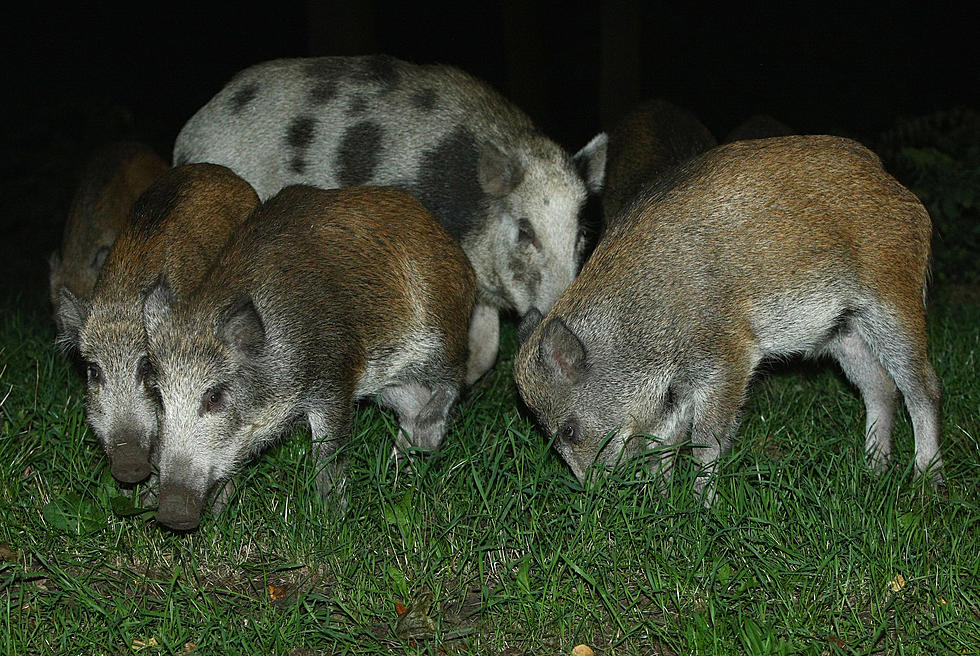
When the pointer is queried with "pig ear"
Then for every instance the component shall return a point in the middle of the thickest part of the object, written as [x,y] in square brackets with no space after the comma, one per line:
[158,303]
[72,313]
[591,162]
[497,172]
[529,322]
[562,352]
[242,327]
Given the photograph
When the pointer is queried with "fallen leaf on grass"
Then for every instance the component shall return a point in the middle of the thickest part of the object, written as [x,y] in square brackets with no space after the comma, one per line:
[140,644]
[400,608]
[897,583]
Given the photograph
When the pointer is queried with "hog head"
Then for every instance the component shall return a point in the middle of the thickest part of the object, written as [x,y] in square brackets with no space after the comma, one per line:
[121,406]
[533,240]
[212,389]
[575,394]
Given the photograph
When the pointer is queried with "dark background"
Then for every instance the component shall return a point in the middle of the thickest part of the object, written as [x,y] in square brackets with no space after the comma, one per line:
[82,75]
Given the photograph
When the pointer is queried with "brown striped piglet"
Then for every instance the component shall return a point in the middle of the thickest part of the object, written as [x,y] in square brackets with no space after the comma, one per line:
[770,248]
[321,298]
[178,226]
[113,178]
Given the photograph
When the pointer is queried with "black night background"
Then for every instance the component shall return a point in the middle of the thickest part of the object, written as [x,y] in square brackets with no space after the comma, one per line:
[493,545]
[87,73]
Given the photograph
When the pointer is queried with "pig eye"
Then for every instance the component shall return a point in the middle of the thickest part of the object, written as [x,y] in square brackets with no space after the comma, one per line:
[213,399]
[526,235]
[94,374]
[569,431]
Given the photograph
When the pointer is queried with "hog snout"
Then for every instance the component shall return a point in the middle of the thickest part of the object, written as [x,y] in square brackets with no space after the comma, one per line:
[179,508]
[129,461]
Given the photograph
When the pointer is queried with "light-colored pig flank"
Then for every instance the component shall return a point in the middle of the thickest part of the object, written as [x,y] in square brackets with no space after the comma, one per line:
[504,191]
[112,180]
[758,249]
[177,227]
[323,297]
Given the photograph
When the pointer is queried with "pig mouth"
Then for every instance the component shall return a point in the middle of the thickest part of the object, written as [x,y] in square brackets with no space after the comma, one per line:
[179,508]
[130,463]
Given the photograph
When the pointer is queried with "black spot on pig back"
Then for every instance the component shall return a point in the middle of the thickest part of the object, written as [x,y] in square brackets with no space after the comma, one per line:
[242,97]
[424,100]
[324,74]
[448,185]
[358,153]
[299,136]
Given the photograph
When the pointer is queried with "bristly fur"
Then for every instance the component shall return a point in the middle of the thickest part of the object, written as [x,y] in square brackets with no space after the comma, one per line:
[191,210]
[321,298]
[759,249]
[508,194]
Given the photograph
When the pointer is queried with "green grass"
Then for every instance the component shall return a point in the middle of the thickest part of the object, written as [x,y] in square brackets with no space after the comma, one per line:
[799,556]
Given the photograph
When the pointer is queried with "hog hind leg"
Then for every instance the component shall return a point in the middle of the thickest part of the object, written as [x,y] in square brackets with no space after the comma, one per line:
[900,345]
[877,389]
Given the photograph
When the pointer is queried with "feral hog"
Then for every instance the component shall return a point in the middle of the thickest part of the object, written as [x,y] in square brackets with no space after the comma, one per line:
[113,178]
[323,297]
[177,228]
[645,145]
[508,194]
[757,249]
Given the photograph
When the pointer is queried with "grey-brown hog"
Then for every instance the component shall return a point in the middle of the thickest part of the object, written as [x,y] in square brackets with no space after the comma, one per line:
[759,126]
[645,145]
[113,178]
[178,225]
[323,297]
[508,194]
[758,249]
